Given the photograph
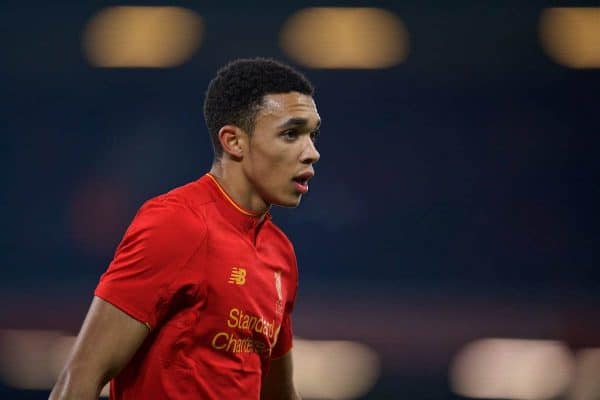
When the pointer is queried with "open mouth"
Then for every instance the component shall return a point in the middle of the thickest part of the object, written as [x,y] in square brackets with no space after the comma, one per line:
[301,182]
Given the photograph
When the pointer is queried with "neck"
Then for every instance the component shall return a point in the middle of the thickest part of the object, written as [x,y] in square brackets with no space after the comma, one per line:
[232,179]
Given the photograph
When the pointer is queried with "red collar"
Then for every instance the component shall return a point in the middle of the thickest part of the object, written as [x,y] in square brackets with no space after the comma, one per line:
[245,220]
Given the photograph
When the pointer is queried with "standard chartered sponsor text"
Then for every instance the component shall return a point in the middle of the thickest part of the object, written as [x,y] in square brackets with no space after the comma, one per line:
[239,319]
[242,321]
[232,343]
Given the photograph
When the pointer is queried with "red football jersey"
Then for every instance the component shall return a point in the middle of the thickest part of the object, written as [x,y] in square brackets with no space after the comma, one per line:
[216,287]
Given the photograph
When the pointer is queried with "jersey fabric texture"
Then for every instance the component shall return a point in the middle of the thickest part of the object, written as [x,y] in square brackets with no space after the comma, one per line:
[214,283]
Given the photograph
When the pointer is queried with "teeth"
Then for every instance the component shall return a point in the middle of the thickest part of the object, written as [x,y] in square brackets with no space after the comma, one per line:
[302,180]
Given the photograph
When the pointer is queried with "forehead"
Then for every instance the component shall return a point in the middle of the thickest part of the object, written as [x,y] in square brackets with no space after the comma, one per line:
[282,106]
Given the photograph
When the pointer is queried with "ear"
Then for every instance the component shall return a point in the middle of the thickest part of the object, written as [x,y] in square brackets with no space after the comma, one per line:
[232,140]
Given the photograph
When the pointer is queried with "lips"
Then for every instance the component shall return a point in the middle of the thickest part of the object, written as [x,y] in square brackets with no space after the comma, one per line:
[301,181]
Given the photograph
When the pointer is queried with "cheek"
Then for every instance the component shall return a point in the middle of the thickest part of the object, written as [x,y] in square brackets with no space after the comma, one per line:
[266,167]
[273,161]
[276,169]
[272,164]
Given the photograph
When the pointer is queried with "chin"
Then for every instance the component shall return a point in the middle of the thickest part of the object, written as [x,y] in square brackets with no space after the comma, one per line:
[290,202]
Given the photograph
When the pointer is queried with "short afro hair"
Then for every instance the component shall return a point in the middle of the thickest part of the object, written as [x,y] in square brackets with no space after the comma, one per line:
[236,93]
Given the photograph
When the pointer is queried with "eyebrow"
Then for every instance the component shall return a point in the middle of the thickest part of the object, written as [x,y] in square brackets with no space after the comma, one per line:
[297,122]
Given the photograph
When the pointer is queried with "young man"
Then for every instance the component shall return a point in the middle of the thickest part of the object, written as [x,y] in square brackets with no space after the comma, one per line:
[196,303]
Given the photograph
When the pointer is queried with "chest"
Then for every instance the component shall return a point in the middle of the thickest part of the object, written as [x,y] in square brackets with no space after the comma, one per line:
[232,317]
[242,278]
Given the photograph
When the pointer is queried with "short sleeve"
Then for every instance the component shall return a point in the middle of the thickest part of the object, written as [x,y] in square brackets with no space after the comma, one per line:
[144,274]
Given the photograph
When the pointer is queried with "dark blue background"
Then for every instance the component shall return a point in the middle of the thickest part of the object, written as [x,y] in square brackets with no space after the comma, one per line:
[455,190]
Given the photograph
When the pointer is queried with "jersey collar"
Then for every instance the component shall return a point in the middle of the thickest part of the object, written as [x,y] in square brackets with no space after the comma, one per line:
[245,220]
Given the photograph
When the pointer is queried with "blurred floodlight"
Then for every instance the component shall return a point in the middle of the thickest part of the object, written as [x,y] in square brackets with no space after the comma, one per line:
[571,35]
[586,382]
[345,37]
[31,359]
[512,369]
[141,36]
[335,370]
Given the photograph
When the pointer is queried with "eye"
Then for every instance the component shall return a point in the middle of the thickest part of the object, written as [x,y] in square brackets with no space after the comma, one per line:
[289,135]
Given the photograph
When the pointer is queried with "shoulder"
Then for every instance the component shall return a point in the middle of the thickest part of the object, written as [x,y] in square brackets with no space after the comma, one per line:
[194,195]
[175,214]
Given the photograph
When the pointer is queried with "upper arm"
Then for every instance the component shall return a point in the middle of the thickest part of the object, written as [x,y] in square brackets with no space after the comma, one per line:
[108,338]
[279,382]
[134,294]
[145,274]
[107,341]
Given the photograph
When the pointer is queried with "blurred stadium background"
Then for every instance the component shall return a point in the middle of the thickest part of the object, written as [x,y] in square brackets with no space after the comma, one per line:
[448,245]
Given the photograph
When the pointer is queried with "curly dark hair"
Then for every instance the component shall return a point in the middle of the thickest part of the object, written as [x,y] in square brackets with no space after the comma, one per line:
[236,93]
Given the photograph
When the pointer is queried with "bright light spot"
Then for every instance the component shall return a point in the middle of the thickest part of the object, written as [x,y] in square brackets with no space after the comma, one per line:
[571,35]
[512,369]
[339,37]
[32,359]
[28,359]
[586,383]
[155,37]
[334,370]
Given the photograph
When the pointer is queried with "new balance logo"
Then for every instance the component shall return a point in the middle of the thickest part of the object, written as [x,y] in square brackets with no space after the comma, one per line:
[237,276]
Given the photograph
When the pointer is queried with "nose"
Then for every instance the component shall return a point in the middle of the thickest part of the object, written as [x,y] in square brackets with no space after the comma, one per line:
[310,154]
